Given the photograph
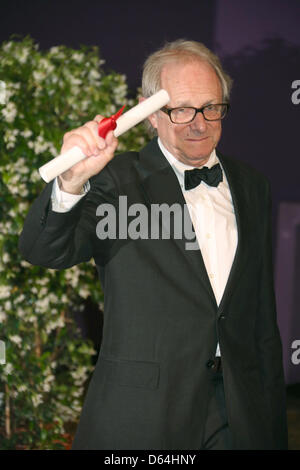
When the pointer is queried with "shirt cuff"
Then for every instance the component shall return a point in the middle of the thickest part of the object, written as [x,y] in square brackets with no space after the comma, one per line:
[64,202]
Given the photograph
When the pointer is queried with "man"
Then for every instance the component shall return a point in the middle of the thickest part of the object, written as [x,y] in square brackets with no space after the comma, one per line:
[191,354]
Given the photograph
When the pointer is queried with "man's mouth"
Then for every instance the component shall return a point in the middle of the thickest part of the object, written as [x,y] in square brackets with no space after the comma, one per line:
[198,139]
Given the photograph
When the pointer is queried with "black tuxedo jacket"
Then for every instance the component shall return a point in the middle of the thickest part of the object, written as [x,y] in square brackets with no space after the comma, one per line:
[151,385]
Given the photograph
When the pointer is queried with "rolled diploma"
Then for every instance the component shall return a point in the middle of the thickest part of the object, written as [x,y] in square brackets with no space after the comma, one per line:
[131,118]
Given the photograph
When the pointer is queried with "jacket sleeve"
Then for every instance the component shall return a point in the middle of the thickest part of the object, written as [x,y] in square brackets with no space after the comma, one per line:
[61,240]
[269,342]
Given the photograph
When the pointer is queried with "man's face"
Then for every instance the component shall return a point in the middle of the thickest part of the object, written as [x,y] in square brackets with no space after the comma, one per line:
[189,84]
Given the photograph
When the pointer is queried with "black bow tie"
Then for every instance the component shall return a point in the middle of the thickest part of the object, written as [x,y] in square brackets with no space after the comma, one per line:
[211,176]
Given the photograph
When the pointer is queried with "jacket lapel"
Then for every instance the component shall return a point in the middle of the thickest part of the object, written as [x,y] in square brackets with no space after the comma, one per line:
[160,186]
[242,210]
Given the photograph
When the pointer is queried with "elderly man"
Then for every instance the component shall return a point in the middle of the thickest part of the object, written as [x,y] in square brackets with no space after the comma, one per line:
[191,354]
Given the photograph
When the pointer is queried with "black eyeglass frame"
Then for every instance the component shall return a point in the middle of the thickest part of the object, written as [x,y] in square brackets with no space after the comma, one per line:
[197,110]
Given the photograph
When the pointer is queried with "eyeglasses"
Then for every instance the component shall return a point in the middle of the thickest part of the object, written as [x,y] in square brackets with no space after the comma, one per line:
[184,115]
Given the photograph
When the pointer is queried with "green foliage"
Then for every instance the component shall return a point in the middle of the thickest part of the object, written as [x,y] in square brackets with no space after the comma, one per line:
[42,95]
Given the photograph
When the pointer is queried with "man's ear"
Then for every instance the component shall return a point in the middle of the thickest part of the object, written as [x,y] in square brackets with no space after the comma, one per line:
[152,118]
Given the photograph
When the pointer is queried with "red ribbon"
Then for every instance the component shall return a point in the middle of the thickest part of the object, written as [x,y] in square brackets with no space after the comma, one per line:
[109,124]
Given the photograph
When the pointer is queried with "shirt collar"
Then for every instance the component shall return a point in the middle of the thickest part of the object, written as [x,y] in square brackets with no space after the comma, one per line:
[180,167]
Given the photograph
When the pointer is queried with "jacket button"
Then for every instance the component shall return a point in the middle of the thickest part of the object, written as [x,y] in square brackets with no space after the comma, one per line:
[222,317]
[210,364]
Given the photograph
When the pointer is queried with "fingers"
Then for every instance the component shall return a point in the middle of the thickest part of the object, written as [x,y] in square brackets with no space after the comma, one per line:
[106,154]
[98,118]
[86,137]
[72,139]
[90,130]
[111,140]
[102,150]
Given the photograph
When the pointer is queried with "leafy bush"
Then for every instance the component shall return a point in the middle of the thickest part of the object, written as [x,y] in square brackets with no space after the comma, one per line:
[43,94]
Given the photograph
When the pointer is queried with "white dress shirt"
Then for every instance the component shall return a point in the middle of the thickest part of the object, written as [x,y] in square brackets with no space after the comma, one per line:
[62,201]
[212,214]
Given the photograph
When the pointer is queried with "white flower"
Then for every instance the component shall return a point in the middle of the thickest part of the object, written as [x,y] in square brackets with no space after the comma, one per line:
[16,339]
[6,258]
[23,206]
[22,388]
[54,50]
[46,387]
[42,282]
[84,105]
[8,368]
[121,90]
[53,79]
[3,316]
[35,177]
[7,47]
[25,264]
[78,57]
[22,57]
[26,134]
[75,81]
[53,298]
[50,378]
[111,108]
[43,291]
[80,374]
[4,292]
[20,313]
[94,75]
[10,137]
[57,52]
[37,400]
[39,76]
[72,275]
[21,167]
[31,319]
[40,145]
[10,112]
[77,393]
[84,292]
[52,150]
[20,299]
[9,91]
[42,304]
[52,325]
[46,65]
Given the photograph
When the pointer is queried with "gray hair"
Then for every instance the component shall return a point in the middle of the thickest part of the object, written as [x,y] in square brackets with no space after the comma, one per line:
[183,51]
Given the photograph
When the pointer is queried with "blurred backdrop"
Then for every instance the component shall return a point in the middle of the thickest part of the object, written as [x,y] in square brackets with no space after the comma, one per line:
[258,42]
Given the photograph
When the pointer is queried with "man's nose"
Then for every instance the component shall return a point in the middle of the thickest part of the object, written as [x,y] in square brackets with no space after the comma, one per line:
[199,123]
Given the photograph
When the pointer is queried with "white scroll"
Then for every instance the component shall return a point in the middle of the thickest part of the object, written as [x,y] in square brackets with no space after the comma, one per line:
[131,118]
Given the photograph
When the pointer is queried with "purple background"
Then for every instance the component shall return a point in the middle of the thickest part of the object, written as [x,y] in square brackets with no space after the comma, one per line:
[259,43]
